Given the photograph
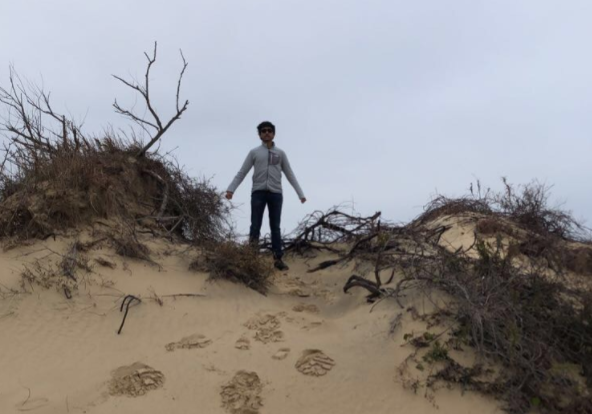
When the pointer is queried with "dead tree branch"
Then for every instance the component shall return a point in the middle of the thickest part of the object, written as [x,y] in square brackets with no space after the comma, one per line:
[159,128]
[32,137]
[165,196]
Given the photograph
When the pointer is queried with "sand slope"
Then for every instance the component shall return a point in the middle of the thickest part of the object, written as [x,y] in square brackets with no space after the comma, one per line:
[305,348]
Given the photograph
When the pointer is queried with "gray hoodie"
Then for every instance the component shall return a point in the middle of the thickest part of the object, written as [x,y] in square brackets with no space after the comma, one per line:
[269,164]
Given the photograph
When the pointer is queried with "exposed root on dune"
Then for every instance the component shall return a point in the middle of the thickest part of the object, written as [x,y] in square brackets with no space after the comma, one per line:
[125,303]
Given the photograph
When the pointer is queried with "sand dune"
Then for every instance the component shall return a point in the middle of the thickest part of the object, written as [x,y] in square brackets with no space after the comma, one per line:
[306,347]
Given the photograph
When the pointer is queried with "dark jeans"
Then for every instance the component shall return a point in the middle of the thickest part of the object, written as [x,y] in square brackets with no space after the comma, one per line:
[260,199]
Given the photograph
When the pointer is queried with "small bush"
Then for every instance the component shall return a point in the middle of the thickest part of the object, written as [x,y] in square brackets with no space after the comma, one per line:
[236,262]
[521,320]
[54,176]
[104,180]
[528,206]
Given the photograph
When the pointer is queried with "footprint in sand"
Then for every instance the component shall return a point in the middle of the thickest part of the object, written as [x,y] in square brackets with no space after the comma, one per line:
[299,288]
[242,394]
[266,328]
[303,307]
[243,343]
[265,336]
[135,380]
[293,286]
[282,353]
[189,342]
[314,362]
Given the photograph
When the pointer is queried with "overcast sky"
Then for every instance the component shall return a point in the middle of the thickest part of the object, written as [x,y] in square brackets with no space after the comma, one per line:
[383,103]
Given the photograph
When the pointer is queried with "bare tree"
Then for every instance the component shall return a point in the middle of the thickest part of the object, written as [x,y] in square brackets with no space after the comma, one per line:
[158,127]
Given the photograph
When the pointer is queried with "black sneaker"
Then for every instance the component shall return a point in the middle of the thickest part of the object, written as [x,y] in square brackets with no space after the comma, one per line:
[280,265]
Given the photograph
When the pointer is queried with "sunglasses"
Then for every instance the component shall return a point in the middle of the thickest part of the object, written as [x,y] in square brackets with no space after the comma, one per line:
[266,130]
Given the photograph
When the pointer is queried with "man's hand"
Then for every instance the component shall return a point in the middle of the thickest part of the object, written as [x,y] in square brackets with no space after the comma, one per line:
[303,200]
[229,195]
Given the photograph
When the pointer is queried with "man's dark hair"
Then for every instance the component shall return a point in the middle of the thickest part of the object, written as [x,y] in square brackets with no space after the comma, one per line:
[266,124]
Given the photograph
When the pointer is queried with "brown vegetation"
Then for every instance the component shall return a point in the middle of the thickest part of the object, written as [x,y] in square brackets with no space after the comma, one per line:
[55,177]
[579,260]
[236,262]
[510,296]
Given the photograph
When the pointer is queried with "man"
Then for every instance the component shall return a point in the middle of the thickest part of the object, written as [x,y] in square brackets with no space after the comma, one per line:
[269,162]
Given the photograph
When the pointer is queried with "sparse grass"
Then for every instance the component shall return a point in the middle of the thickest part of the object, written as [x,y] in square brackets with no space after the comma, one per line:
[63,275]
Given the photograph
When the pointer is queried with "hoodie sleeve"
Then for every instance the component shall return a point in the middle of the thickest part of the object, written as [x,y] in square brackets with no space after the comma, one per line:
[287,169]
[242,173]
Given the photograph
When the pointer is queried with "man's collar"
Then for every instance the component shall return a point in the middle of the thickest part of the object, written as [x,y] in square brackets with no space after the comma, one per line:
[264,144]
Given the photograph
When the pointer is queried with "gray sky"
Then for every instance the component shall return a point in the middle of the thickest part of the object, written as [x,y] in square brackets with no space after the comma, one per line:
[383,103]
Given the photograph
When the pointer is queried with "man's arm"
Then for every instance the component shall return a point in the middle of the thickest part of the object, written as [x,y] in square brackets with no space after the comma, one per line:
[240,176]
[287,169]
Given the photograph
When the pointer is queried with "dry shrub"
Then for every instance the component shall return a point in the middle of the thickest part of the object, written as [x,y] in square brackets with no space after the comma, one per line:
[444,206]
[520,319]
[528,206]
[198,204]
[579,260]
[54,176]
[66,189]
[490,225]
[523,212]
[240,263]
[521,316]
[128,245]
[104,180]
